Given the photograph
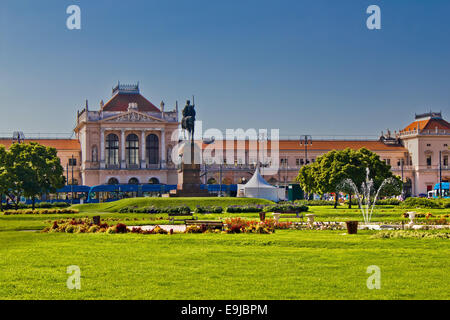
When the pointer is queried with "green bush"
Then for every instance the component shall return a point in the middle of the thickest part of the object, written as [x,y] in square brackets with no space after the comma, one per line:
[208,209]
[286,208]
[421,203]
[245,209]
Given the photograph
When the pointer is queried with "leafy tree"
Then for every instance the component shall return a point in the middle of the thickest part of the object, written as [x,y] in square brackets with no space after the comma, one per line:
[18,172]
[47,171]
[3,175]
[306,179]
[32,170]
[331,169]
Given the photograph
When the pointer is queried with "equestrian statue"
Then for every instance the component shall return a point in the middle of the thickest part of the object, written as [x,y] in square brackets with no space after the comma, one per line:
[188,121]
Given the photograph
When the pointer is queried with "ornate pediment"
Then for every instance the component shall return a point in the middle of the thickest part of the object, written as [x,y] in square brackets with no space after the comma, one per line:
[132,116]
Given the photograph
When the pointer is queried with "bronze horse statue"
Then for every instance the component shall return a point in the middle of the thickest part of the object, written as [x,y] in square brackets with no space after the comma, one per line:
[188,121]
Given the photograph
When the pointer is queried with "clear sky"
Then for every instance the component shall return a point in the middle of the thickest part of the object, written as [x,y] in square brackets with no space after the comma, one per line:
[305,67]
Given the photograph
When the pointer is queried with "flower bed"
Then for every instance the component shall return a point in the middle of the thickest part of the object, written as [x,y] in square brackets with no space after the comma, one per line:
[411,234]
[41,211]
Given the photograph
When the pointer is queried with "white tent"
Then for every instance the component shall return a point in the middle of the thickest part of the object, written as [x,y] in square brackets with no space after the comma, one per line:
[257,187]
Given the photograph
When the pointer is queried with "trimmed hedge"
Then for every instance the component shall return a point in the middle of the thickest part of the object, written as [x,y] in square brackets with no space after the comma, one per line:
[208,209]
[153,209]
[423,203]
[284,208]
[245,209]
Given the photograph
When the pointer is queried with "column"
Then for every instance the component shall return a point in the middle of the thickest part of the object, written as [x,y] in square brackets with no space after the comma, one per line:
[163,148]
[122,150]
[102,148]
[143,150]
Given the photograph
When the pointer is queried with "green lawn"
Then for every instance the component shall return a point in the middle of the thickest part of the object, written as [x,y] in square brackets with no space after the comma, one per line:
[284,265]
[289,264]
[164,202]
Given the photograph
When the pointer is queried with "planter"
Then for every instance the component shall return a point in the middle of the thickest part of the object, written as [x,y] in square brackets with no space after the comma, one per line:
[276,216]
[262,216]
[352,227]
[411,216]
[96,220]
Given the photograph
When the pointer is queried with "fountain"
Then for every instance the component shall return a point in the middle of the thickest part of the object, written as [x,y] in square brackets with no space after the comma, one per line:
[366,195]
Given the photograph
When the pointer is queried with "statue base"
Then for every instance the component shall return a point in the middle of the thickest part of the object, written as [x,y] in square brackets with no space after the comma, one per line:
[189,181]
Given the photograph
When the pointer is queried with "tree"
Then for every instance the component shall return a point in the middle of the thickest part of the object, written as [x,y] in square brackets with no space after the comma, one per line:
[31,170]
[306,179]
[47,171]
[3,175]
[18,172]
[331,169]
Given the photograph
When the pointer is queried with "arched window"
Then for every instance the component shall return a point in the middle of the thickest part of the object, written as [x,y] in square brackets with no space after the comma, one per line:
[153,180]
[133,181]
[94,155]
[113,181]
[152,145]
[132,149]
[112,149]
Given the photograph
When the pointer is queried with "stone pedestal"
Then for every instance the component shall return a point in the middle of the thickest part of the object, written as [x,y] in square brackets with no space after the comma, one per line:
[189,176]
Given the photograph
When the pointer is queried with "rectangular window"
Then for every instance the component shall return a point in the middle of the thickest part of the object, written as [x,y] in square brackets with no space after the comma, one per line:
[72,162]
[428,160]
[297,162]
[445,161]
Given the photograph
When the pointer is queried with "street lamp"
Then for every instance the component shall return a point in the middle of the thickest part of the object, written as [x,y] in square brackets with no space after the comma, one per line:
[304,141]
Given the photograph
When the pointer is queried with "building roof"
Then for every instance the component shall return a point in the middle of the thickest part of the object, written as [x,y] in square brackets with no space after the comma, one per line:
[123,95]
[428,124]
[322,145]
[59,144]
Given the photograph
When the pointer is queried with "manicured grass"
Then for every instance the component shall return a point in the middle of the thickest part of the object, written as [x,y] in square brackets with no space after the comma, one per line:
[165,202]
[285,265]
[388,214]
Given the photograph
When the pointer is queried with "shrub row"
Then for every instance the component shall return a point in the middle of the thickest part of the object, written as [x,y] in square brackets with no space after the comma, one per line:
[208,209]
[315,202]
[246,209]
[283,208]
[153,209]
[426,203]
[39,205]
[41,211]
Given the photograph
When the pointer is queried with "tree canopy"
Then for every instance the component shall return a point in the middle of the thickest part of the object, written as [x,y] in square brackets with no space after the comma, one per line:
[29,170]
[327,173]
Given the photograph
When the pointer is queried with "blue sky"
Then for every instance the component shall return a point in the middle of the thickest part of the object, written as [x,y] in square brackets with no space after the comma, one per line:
[305,67]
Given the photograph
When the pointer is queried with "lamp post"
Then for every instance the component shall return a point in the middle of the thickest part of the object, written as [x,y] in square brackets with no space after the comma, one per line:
[305,140]
[71,185]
